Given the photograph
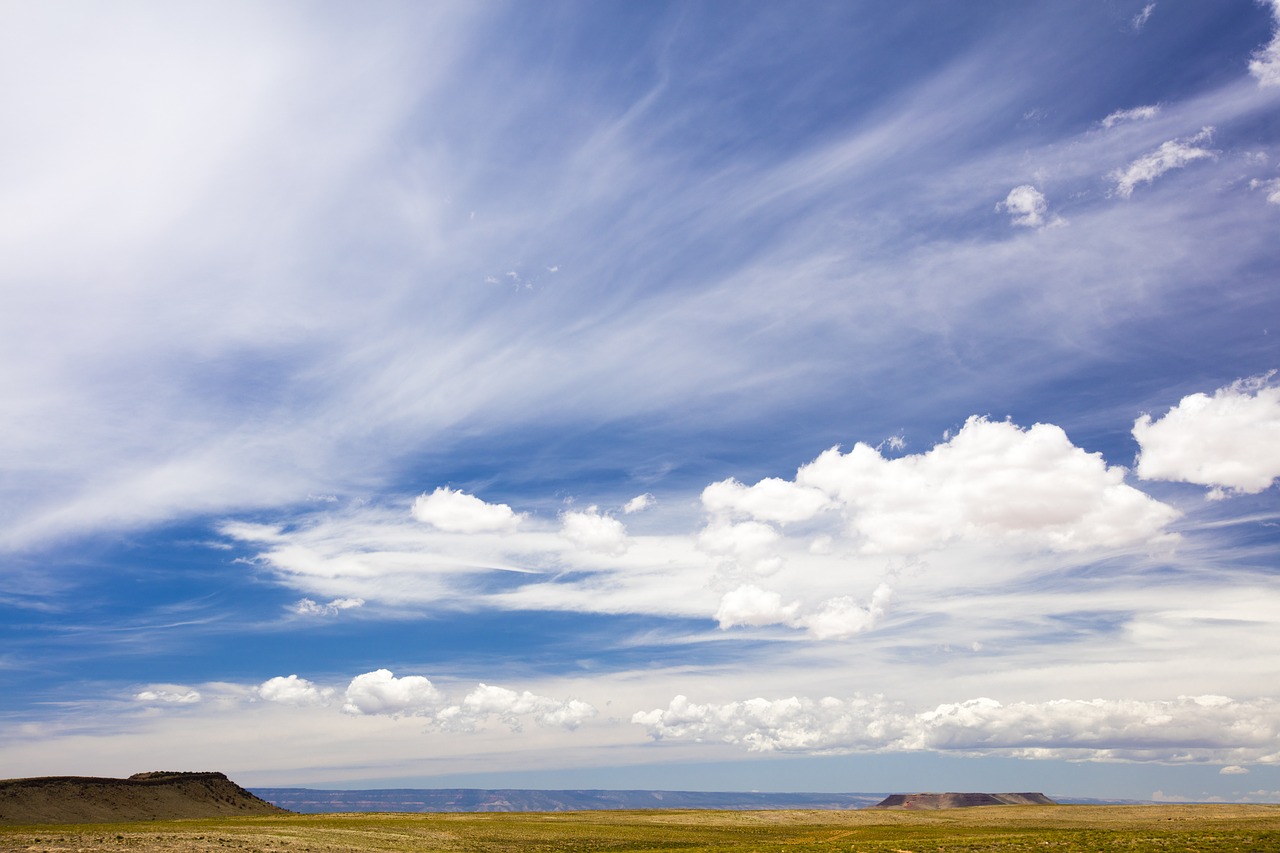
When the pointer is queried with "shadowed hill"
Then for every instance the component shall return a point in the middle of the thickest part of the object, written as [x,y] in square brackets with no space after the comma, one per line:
[961,800]
[144,796]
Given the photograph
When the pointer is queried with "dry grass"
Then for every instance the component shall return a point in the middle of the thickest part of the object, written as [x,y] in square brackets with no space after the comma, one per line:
[1010,829]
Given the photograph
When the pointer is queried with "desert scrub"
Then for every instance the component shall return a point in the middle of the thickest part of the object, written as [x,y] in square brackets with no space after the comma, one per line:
[1008,829]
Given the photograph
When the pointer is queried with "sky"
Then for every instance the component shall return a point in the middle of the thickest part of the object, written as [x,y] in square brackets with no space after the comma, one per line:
[764,396]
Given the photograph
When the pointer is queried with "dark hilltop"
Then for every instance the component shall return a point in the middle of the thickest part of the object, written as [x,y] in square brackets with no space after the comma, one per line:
[143,796]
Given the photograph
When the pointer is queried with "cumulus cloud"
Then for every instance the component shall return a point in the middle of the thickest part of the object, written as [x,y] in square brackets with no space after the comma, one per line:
[508,705]
[771,499]
[639,503]
[843,617]
[292,690]
[1228,441]
[307,607]
[1027,207]
[594,531]
[1194,728]
[745,547]
[992,480]
[1265,64]
[380,692]
[1234,770]
[1136,114]
[836,618]
[1174,154]
[751,605]
[169,695]
[458,512]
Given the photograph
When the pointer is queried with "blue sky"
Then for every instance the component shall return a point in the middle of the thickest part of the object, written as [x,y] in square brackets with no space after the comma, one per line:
[801,396]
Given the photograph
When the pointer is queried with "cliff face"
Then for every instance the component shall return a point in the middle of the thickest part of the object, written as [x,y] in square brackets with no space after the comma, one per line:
[145,796]
[961,800]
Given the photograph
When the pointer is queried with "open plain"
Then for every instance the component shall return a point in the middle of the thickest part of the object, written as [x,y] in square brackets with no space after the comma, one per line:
[1010,829]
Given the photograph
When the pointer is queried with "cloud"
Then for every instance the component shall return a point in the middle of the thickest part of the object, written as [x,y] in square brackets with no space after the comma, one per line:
[509,706]
[292,690]
[993,480]
[458,512]
[1234,770]
[1228,441]
[307,607]
[751,605]
[1136,114]
[1272,188]
[843,617]
[771,499]
[594,531]
[639,503]
[1189,728]
[748,547]
[1265,64]
[1140,20]
[783,725]
[169,695]
[836,618]
[380,692]
[1174,154]
[1026,207]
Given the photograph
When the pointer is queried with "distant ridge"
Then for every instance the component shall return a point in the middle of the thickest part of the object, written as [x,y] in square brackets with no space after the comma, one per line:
[312,801]
[961,800]
[144,796]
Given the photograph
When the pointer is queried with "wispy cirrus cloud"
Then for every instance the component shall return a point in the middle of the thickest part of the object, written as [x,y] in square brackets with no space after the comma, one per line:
[1174,154]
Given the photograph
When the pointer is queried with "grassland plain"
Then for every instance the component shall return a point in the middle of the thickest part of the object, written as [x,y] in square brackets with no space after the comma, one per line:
[1201,828]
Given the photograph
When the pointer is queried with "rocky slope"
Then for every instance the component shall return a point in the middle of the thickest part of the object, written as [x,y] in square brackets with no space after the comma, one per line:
[961,800]
[144,796]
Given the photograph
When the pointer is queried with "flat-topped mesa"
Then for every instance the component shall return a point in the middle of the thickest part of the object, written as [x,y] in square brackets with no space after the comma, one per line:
[143,796]
[961,800]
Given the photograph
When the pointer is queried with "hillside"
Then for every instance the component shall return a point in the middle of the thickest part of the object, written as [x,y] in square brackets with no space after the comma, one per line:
[961,800]
[144,796]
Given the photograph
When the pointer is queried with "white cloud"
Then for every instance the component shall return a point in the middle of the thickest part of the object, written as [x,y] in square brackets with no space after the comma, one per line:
[1140,20]
[843,617]
[992,480]
[1230,440]
[380,692]
[1272,188]
[292,690]
[771,499]
[508,705]
[1136,114]
[1026,206]
[458,512]
[307,607]
[835,618]
[748,547]
[169,695]
[751,605]
[1234,770]
[1190,728]
[1265,64]
[639,503]
[1174,154]
[594,531]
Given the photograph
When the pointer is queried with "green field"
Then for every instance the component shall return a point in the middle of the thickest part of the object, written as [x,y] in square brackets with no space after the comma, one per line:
[1197,828]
